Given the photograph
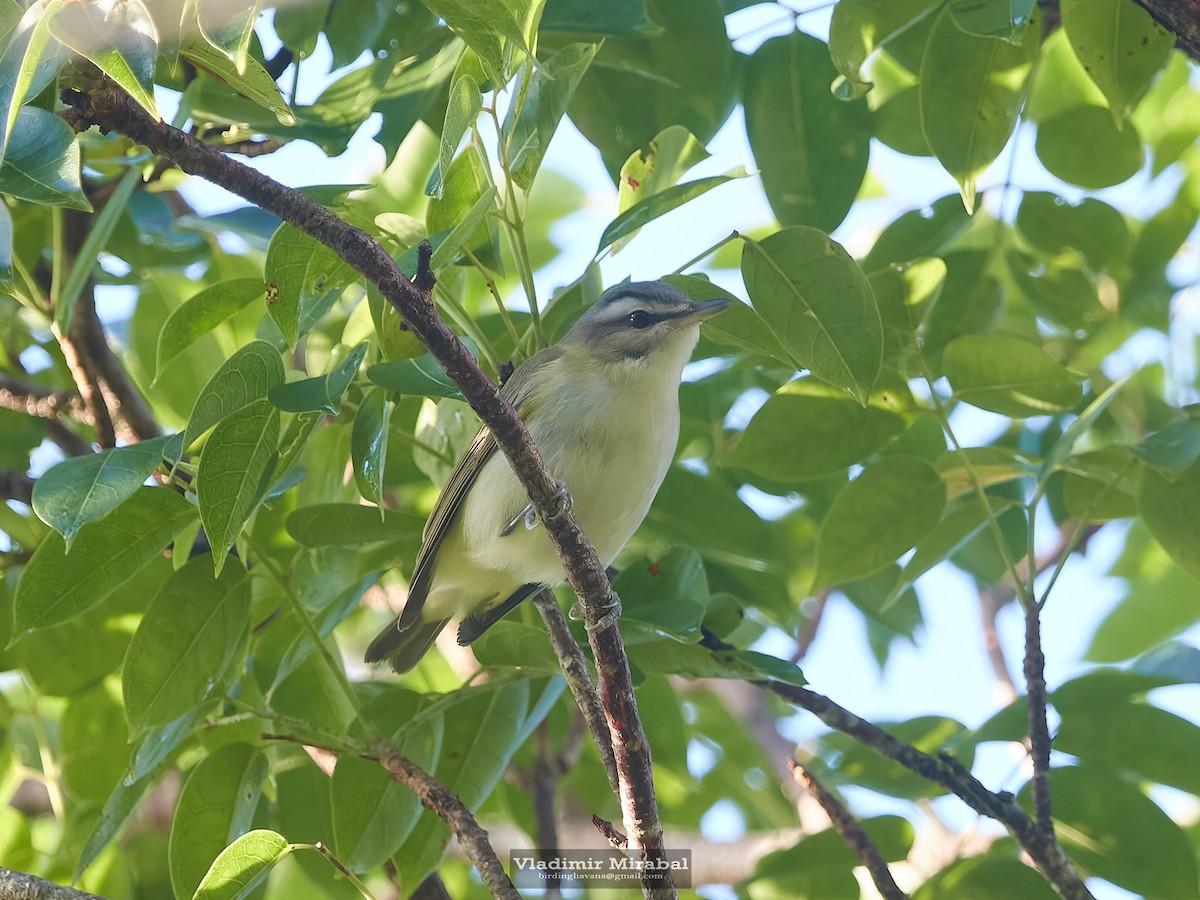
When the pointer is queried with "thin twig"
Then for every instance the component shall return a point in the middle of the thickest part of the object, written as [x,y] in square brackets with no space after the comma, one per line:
[610,833]
[1039,727]
[851,831]
[579,680]
[15,486]
[948,772]
[440,800]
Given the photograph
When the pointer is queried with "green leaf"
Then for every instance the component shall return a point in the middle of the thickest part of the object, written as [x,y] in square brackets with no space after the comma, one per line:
[1066,146]
[991,876]
[325,524]
[234,473]
[244,378]
[991,19]
[1171,510]
[242,865]
[215,806]
[811,147]
[1009,376]
[484,729]
[229,30]
[1053,225]
[6,250]
[684,75]
[118,809]
[885,511]
[1171,451]
[93,748]
[1120,46]
[696,661]
[1113,830]
[489,25]
[971,89]
[1063,293]
[462,110]
[373,814]
[859,27]
[186,644]
[652,207]
[369,442]
[1059,81]
[323,392]
[673,152]
[119,37]
[520,646]
[806,430]
[29,63]
[819,305]
[41,164]
[203,312]
[81,489]
[548,93]
[845,761]
[57,586]
[87,260]
[1131,736]
[303,278]
[252,81]
[669,594]
[1102,485]
[420,377]
[919,232]
[616,18]
[465,233]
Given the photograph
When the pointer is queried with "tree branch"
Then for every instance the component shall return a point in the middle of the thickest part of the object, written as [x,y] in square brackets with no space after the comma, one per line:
[851,831]
[20,886]
[579,680]
[440,800]
[42,402]
[1181,18]
[15,486]
[948,772]
[107,106]
[1039,727]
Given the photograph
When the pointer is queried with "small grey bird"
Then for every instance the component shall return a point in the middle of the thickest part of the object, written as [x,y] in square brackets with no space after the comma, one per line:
[603,407]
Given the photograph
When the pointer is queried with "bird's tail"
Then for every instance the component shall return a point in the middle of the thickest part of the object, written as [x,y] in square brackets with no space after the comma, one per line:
[404,648]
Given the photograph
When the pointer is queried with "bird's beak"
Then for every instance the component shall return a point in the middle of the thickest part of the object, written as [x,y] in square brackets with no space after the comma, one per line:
[705,309]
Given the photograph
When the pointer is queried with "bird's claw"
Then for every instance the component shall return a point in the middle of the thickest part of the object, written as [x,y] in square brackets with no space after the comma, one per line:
[530,517]
[606,621]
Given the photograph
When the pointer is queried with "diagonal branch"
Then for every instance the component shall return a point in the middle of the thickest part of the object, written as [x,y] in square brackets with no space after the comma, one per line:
[20,886]
[1180,17]
[15,486]
[103,104]
[440,800]
[42,402]
[948,772]
[579,679]
[851,831]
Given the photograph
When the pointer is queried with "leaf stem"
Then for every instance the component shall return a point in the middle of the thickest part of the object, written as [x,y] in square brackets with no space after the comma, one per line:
[306,622]
[320,848]
[468,325]
[732,236]
[495,292]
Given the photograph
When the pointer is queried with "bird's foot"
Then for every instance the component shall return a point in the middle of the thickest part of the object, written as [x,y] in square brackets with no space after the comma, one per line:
[530,517]
[606,621]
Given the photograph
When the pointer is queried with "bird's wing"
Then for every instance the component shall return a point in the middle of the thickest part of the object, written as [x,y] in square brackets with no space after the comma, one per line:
[449,502]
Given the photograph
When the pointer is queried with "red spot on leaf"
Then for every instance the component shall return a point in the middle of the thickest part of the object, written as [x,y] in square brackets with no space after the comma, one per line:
[654,569]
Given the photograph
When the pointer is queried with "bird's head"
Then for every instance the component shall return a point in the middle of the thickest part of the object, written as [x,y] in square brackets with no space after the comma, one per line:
[642,323]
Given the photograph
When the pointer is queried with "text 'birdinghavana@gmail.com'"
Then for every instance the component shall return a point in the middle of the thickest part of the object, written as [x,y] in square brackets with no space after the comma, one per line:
[596,868]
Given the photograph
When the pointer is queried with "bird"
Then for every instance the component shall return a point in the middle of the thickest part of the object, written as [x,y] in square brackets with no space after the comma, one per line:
[602,406]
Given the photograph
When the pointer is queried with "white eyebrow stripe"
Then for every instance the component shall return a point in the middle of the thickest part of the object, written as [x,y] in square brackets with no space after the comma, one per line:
[619,309]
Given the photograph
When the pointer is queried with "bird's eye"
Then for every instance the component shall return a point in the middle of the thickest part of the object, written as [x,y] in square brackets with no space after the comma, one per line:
[639,318]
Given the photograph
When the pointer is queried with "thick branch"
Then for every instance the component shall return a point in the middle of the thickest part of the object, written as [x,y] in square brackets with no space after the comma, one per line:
[1181,18]
[579,680]
[111,109]
[15,486]
[443,802]
[35,400]
[948,772]
[851,831]
[20,886]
